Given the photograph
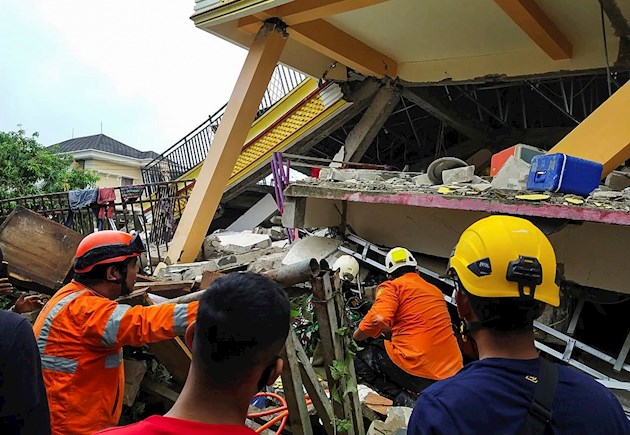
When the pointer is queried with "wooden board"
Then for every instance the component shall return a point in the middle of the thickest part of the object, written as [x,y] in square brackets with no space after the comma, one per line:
[39,251]
[134,373]
[167,289]
[173,354]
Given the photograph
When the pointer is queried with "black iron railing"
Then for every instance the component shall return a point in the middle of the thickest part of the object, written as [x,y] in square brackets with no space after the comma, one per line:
[193,148]
[152,210]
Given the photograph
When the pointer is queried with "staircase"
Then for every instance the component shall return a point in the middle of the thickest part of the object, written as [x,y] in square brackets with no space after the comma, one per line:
[192,149]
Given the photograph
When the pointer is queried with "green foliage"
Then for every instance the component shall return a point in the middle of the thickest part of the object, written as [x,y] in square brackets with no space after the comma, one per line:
[342,425]
[28,168]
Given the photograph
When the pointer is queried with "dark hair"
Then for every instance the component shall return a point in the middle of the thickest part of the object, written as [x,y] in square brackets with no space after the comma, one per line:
[402,270]
[97,274]
[506,315]
[242,321]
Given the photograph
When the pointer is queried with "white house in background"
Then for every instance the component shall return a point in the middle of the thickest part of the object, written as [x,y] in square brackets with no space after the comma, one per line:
[117,164]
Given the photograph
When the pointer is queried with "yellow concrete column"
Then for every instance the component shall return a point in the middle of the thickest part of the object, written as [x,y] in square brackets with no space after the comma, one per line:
[228,141]
[604,136]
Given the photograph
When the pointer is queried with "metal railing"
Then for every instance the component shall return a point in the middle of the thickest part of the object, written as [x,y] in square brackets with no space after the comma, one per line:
[193,148]
[149,209]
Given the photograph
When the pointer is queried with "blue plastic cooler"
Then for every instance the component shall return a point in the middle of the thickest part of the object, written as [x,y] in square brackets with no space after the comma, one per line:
[565,174]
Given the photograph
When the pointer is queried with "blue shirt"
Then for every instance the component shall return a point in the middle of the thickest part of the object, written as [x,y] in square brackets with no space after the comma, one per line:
[492,396]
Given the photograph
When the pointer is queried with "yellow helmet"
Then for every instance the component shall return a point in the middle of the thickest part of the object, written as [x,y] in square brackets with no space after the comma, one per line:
[506,257]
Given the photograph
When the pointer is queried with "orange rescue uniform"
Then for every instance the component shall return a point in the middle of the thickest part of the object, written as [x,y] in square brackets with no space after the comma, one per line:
[423,343]
[80,335]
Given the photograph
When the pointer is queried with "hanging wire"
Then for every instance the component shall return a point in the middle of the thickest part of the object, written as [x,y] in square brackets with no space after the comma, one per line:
[606,51]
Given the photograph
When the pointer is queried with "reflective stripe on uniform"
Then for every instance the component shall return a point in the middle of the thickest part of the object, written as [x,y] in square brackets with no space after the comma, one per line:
[180,318]
[113,323]
[113,360]
[59,364]
[42,339]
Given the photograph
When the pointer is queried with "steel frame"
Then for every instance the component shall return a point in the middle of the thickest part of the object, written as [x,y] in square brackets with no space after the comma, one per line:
[566,356]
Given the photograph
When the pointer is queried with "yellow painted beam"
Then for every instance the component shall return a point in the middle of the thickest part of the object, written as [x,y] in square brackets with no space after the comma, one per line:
[327,39]
[301,11]
[226,147]
[538,26]
[604,136]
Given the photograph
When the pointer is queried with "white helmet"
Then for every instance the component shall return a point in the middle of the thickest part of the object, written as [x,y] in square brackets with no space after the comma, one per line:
[399,257]
[348,268]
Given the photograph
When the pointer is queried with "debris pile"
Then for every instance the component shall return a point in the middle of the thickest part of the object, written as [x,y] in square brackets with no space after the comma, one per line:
[228,251]
[508,186]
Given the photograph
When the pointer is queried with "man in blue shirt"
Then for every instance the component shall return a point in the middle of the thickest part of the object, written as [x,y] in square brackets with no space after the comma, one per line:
[504,271]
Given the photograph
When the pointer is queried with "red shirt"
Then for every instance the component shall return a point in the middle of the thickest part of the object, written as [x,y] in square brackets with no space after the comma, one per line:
[158,425]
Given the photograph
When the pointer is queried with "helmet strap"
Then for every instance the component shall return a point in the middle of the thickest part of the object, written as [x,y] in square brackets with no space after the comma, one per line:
[124,290]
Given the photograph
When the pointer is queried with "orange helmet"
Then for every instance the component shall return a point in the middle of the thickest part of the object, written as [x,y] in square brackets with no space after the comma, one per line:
[104,247]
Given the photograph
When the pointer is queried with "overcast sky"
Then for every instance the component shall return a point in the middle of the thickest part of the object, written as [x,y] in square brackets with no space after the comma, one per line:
[140,67]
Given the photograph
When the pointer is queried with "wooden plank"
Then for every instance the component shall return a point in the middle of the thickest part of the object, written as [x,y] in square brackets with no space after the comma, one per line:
[162,391]
[293,393]
[173,354]
[332,287]
[324,303]
[313,387]
[167,289]
[207,278]
[134,373]
[40,252]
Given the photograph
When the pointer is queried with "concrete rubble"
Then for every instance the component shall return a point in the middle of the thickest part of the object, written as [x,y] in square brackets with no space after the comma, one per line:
[226,251]
[512,176]
[508,186]
[395,424]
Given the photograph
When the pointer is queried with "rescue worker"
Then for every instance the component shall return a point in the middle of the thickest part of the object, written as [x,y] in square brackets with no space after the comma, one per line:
[81,331]
[415,344]
[504,269]
[241,328]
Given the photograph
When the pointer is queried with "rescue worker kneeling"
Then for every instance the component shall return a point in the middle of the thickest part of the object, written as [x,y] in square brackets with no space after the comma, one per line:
[422,347]
[81,331]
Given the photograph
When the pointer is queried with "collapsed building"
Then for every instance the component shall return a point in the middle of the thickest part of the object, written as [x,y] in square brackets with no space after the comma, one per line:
[394,128]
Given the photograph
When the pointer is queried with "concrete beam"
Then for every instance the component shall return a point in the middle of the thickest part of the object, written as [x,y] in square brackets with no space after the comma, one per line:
[364,132]
[327,39]
[226,147]
[604,136]
[301,11]
[428,102]
[538,26]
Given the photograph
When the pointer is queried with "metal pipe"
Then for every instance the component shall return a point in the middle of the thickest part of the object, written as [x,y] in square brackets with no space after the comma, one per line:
[296,273]
[285,276]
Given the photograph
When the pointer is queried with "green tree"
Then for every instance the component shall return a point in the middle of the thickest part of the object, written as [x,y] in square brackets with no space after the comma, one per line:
[28,168]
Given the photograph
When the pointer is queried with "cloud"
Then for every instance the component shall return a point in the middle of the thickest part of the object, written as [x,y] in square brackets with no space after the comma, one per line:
[140,67]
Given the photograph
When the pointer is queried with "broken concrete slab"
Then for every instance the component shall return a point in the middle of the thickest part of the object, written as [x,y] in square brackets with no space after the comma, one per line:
[234,243]
[260,212]
[458,175]
[512,176]
[335,174]
[618,180]
[605,194]
[311,247]
[189,271]
[267,262]
[422,180]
